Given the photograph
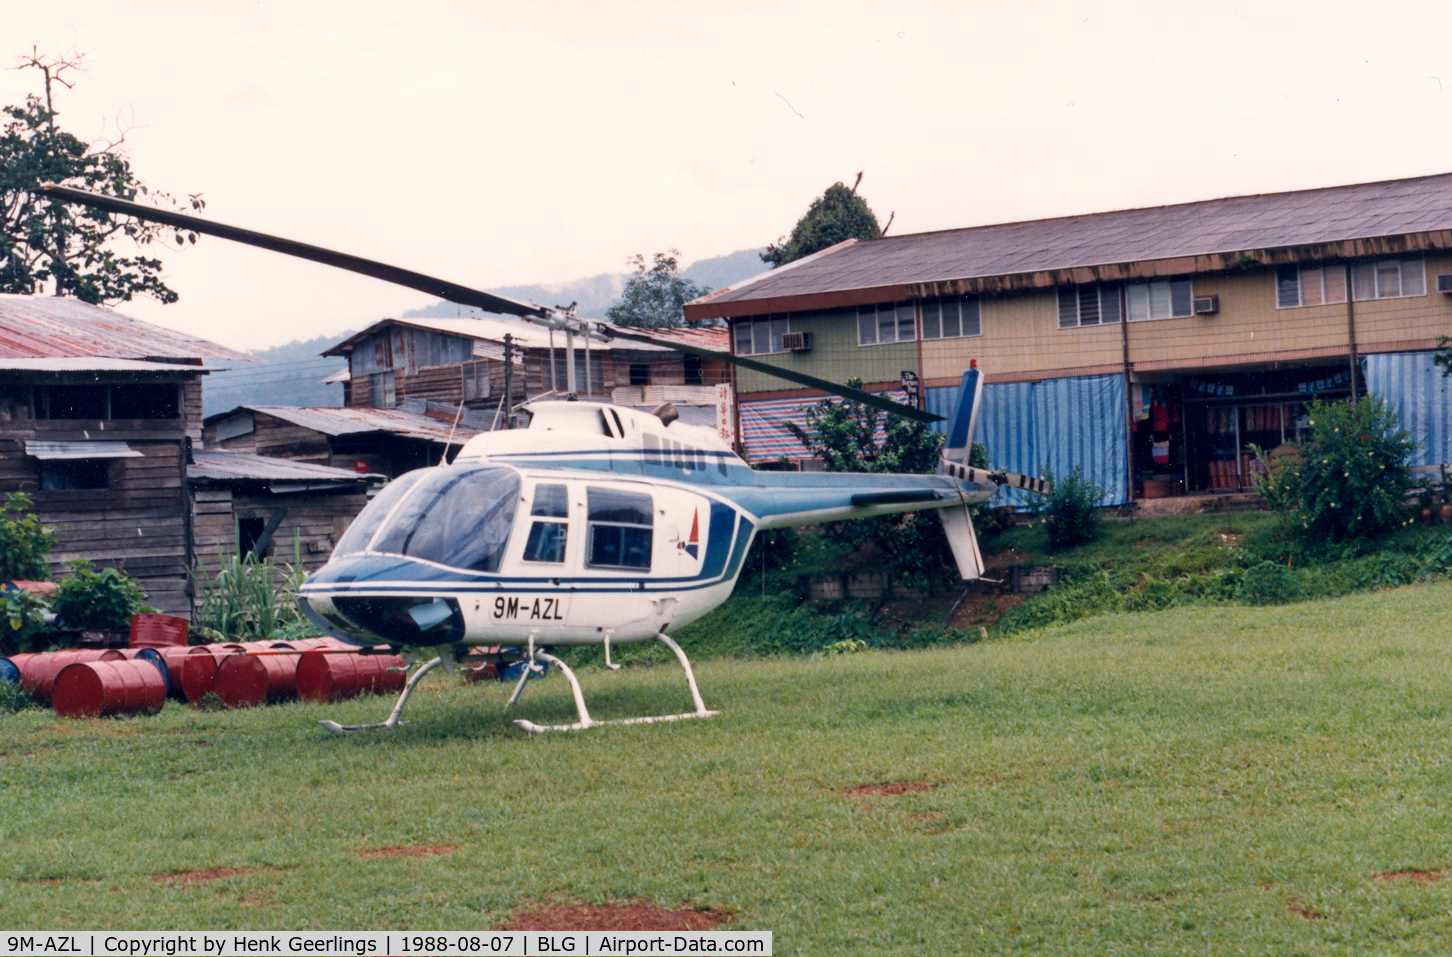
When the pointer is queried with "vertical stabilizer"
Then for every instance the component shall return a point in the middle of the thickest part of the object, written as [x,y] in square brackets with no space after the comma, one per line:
[959,443]
[959,529]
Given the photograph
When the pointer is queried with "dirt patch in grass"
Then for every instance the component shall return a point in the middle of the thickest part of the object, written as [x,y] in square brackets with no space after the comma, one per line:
[624,915]
[187,878]
[430,850]
[1298,910]
[1416,877]
[889,789]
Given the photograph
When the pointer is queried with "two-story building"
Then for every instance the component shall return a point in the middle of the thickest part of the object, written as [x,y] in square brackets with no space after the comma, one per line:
[1153,348]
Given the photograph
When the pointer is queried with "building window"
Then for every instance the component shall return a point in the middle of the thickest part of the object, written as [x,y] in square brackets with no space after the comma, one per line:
[639,373]
[476,380]
[1088,304]
[562,374]
[1161,299]
[149,400]
[66,474]
[1388,279]
[694,372]
[1296,286]
[951,318]
[759,337]
[381,394]
[886,323]
[1379,279]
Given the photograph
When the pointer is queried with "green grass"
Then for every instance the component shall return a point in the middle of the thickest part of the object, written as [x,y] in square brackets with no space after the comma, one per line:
[1206,781]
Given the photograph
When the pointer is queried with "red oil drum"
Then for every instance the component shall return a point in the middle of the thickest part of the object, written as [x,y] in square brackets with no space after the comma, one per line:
[38,673]
[245,681]
[157,631]
[199,668]
[93,689]
[331,677]
[174,656]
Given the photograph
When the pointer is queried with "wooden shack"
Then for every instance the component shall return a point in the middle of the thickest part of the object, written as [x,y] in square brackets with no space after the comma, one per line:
[97,414]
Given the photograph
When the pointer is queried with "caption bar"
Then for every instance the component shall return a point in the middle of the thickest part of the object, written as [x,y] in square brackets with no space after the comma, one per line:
[382,944]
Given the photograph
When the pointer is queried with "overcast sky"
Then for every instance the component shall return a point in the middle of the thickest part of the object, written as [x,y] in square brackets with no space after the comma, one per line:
[495,143]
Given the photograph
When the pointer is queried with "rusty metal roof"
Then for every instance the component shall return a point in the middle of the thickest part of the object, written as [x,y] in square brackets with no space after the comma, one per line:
[1213,235]
[526,335]
[349,420]
[64,328]
[217,465]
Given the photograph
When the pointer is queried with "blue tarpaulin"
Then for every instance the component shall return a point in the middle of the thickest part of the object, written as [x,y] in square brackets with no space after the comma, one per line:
[1052,426]
[1419,391]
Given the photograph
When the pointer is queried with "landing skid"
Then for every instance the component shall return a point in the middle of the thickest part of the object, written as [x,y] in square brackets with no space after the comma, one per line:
[584,714]
[392,719]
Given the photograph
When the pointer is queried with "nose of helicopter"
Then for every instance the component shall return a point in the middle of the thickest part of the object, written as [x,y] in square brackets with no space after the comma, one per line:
[394,619]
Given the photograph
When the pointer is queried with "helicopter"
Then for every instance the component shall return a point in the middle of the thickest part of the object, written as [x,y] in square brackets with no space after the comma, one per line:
[595,525]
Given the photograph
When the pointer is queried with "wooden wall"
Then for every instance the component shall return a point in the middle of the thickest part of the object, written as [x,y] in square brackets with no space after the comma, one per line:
[313,521]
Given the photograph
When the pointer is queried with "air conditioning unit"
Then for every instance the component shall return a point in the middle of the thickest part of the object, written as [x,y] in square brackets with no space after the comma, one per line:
[1207,305]
[1444,283]
[796,341]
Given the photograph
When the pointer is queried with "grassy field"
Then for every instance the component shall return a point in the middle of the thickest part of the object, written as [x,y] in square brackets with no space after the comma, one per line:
[1199,780]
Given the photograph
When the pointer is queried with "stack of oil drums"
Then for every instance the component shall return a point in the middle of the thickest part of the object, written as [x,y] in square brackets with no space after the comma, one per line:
[90,683]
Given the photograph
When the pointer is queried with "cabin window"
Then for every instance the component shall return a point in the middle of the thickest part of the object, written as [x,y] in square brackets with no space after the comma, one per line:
[621,526]
[639,373]
[1088,304]
[381,392]
[1161,299]
[561,373]
[951,318]
[547,539]
[361,531]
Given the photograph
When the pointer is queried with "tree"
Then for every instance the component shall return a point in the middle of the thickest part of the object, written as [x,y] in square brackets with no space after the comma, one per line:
[656,298]
[842,433]
[44,242]
[838,214]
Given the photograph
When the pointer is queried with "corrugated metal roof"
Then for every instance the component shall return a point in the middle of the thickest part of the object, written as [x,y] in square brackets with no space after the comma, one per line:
[218,465]
[527,335]
[1186,238]
[80,450]
[60,327]
[352,421]
[53,364]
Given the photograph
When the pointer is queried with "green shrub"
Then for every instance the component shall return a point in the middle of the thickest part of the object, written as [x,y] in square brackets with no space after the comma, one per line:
[1351,480]
[24,542]
[93,600]
[1269,583]
[1071,511]
[21,621]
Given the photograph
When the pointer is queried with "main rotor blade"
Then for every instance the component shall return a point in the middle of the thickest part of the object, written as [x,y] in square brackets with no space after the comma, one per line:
[866,398]
[444,289]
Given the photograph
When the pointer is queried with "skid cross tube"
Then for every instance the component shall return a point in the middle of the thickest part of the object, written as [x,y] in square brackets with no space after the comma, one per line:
[584,713]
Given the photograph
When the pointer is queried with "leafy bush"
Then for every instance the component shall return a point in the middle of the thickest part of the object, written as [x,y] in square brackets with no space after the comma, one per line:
[94,600]
[1351,480]
[1269,583]
[1071,511]
[24,542]
[21,621]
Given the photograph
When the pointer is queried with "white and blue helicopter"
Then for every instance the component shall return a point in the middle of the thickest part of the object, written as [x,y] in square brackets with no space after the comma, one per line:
[595,525]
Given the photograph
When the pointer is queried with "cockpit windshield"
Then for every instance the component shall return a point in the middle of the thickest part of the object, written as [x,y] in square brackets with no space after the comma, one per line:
[458,516]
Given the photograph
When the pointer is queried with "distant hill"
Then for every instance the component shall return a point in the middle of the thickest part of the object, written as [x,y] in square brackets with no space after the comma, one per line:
[594,295]
[293,374]
[284,375]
